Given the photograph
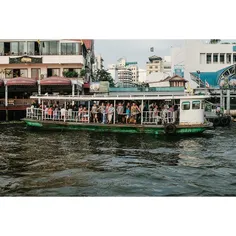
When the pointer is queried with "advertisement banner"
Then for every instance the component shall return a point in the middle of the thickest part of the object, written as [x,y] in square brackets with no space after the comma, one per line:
[99,87]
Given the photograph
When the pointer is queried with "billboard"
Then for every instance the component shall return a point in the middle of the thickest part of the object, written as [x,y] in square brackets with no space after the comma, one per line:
[99,87]
[179,70]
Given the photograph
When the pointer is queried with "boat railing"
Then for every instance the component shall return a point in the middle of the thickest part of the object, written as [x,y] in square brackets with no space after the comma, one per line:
[66,115]
[159,117]
[148,118]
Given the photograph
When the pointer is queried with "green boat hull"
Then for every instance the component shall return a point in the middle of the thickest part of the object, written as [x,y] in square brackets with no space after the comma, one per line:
[126,128]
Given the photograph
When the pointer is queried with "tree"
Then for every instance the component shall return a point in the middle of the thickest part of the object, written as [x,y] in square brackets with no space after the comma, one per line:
[104,75]
[214,41]
[70,74]
[82,72]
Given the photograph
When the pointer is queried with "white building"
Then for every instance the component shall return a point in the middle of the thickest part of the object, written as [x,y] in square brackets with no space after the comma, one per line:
[142,76]
[213,61]
[135,72]
[124,73]
[98,64]
[125,77]
[44,58]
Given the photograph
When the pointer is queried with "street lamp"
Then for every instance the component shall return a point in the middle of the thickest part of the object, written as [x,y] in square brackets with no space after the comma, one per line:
[198,72]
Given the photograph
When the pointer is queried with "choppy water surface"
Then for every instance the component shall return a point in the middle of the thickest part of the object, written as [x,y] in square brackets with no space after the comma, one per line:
[36,163]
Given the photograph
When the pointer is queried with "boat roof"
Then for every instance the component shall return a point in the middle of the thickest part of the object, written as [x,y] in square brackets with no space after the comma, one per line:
[117,97]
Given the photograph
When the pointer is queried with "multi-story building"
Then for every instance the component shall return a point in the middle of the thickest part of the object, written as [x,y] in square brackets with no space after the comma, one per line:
[98,64]
[124,73]
[209,62]
[142,76]
[44,58]
[125,77]
[155,64]
[135,71]
[158,64]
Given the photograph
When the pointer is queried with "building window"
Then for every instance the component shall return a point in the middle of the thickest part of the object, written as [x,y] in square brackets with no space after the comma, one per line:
[215,58]
[45,48]
[202,58]
[196,105]
[228,58]
[22,49]
[150,67]
[14,48]
[222,58]
[185,105]
[208,58]
[70,49]
[234,58]
[53,47]
[53,72]
[30,48]
[35,73]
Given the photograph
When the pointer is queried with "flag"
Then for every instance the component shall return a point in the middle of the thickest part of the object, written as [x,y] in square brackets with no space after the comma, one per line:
[152,49]
[38,42]
[206,84]
[189,89]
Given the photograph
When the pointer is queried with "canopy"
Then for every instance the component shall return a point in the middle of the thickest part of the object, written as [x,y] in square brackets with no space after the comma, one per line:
[55,80]
[21,81]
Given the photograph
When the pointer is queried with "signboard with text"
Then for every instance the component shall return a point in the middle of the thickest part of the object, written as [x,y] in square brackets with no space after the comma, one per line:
[99,87]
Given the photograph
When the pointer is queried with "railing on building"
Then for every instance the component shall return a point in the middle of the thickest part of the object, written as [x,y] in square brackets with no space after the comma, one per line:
[16,102]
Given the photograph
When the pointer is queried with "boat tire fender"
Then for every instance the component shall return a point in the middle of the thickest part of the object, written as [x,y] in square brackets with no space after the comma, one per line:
[216,122]
[224,121]
[170,129]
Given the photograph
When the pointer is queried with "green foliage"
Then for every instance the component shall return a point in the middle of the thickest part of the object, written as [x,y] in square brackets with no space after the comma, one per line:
[82,73]
[214,41]
[70,74]
[103,75]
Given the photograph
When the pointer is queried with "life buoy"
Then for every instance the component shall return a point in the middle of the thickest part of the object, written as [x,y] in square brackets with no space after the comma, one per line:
[216,121]
[224,121]
[170,129]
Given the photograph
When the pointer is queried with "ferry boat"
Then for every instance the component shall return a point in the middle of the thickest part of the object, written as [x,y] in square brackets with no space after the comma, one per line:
[187,115]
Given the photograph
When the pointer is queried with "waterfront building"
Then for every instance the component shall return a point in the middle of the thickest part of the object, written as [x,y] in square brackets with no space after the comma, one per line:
[40,66]
[124,73]
[158,64]
[200,59]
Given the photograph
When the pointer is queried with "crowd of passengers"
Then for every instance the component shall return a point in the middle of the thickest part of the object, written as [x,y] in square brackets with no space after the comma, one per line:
[103,112]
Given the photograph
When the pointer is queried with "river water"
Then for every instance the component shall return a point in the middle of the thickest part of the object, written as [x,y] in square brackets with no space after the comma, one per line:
[39,163]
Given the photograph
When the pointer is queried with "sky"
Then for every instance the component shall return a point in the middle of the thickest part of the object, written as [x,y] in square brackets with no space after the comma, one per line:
[133,50]
[136,49]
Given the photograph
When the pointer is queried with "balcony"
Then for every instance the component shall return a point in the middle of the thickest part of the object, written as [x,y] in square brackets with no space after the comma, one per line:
[48,59]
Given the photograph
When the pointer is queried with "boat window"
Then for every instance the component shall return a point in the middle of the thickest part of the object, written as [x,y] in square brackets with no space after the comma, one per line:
[196,105]
[203,105]
[185,105]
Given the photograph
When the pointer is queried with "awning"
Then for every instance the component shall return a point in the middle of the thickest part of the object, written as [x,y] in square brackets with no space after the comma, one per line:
[86,85]
[55,80]
[21,81]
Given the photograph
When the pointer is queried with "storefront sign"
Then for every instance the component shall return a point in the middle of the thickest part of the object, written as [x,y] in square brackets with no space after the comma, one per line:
[26,59]
[99,87]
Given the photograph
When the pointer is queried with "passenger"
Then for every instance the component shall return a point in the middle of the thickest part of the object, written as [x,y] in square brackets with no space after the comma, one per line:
[133,113]
[120,111]
[55,113]
[70,112]
[63,113]
[46,112]
[111,110]
[102,110]
[107,107]
[94,111]
[128,112]
[80,111]
[50,112]
[85,115]
[156,114]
